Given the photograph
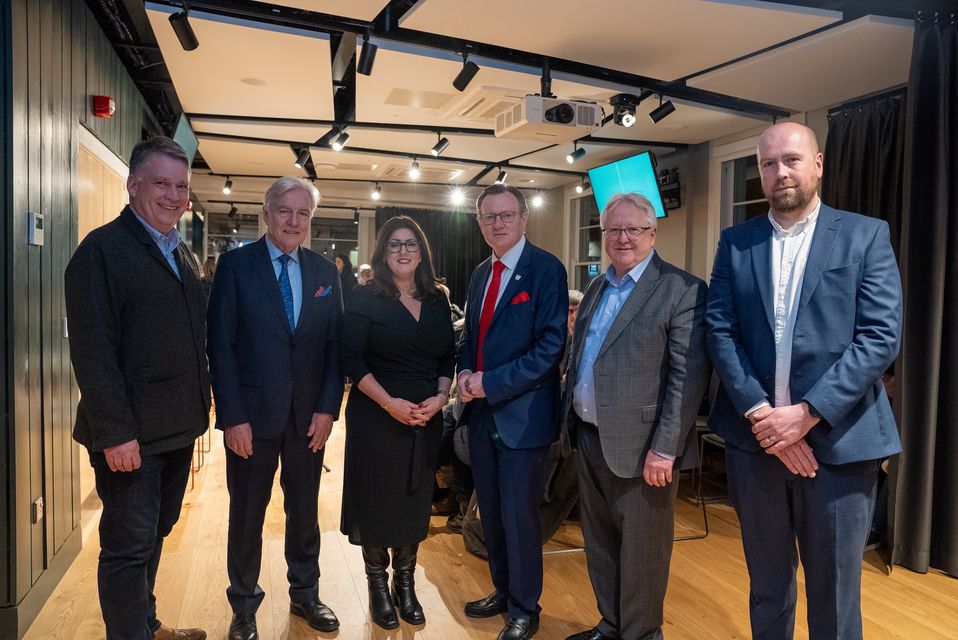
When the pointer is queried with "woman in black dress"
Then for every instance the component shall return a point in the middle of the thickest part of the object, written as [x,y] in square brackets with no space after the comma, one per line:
[397,346]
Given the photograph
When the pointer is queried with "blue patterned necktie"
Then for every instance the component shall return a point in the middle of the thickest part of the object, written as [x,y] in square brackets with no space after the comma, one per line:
[286,290]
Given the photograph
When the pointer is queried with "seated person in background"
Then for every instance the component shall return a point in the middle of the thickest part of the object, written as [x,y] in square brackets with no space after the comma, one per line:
[365,274]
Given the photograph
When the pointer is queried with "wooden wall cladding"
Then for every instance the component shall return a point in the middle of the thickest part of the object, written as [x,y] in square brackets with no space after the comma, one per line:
[55,58]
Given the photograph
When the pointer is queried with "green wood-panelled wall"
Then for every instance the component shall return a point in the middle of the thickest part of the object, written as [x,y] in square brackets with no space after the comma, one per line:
[55,57]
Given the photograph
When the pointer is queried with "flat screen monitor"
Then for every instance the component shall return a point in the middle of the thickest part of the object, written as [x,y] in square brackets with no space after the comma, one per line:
[185,137]
[635,173]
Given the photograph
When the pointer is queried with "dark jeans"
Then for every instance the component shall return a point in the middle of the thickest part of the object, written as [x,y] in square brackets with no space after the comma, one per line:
[139,511]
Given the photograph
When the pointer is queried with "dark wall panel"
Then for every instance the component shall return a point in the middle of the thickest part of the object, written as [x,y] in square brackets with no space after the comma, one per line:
[56,58]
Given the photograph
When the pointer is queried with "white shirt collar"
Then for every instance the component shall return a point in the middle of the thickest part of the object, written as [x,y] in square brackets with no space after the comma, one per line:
[800,226]
[275,252]
[511,257]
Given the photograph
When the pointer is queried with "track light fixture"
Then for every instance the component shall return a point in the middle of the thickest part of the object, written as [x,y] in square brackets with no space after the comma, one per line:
[377,192]
[466,74]
[302,157]
[582,186]
[623,107]
[233,211]
[577,153]
[340,141]
[414,171]
[367,56]
[228,186]
[180,21]
[356,215]
[440,146]
[457,197]
[661,111]
[501,178]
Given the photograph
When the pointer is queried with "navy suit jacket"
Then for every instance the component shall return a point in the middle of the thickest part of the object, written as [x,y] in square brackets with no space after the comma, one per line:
[261,369]
[846,334]
[522,347]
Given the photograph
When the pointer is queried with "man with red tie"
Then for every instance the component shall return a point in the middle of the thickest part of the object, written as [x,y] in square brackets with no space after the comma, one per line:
[512,342]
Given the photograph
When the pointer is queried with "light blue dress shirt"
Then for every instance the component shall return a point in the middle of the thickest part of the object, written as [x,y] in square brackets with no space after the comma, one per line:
[294,271]
[613,297]
[165,242]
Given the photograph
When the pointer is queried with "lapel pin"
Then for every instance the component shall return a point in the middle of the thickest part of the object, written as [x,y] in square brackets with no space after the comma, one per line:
[518,277]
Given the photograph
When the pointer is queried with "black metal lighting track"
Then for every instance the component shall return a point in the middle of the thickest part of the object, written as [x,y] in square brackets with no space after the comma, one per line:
[321,206]
[385,29]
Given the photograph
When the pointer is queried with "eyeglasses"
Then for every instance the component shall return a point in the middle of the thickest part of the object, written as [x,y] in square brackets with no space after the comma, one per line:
[630,232]
[490,218]
[395,246]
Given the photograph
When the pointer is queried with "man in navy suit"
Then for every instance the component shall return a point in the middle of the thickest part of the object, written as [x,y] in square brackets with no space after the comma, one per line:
[803,317]
[512,341]
[274,317]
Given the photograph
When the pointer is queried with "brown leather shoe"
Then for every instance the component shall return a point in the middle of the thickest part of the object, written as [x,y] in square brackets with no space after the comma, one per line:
[165,633]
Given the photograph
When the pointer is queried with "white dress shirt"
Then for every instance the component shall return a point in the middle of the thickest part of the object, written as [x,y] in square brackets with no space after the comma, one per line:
[510,259]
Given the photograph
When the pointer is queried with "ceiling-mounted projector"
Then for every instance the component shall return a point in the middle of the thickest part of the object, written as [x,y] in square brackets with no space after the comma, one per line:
[549,119]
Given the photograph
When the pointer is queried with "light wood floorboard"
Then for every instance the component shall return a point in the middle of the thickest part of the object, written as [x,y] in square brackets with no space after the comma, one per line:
[707,596]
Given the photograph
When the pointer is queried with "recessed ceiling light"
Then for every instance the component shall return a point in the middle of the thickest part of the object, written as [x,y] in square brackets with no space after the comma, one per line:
[526,180]
[253,82]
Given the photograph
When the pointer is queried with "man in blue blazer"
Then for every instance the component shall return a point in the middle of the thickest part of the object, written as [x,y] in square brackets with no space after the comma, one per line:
[512,341]
[803,317]
[274,318]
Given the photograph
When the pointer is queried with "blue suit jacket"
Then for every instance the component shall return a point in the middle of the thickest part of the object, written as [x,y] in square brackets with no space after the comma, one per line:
[522,348]
[261,369]
[846,334]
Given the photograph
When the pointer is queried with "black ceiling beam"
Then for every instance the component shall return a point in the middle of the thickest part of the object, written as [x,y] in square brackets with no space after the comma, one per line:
[389,126]
[385,152]
[326,23]
[321,206]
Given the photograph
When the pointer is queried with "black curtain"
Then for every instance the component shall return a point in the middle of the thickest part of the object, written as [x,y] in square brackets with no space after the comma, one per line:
[924,479]
[456,243]
[863,160]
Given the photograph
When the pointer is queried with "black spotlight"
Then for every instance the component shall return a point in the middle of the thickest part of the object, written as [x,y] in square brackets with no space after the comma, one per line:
[180,21]
[440,146]
[582,186]
[302,157]
[465,76]
[232,213]
[356,215]
[501,178]
[661,111]
[227,186]
[367,56]
[577,153]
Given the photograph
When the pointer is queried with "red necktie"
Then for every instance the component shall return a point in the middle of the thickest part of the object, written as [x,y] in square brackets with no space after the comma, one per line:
[488,308]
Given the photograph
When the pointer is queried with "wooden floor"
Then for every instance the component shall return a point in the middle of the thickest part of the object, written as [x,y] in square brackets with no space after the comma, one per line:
[707,596]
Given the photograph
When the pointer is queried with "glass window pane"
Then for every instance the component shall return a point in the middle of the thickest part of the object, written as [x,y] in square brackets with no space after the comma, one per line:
[588,213]
[743,212]
[584,274]
[590,244]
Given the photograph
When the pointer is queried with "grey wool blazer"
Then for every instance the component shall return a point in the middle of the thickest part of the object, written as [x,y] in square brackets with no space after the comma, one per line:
[651,371]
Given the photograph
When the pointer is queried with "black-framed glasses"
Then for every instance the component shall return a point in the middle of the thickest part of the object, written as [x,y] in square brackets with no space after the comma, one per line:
[395,246]
[490,218]
[630,232]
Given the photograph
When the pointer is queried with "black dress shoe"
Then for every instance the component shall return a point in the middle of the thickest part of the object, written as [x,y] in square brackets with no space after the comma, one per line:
[493,604]
[519,629]
[591,634]
[316,614]
[243,627]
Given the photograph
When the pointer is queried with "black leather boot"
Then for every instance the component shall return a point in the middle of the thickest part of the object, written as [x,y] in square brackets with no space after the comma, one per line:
[381,608]
[404,584]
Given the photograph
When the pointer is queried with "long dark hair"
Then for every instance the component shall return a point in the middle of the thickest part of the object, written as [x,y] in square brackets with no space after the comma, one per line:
[347,265]
[427,284]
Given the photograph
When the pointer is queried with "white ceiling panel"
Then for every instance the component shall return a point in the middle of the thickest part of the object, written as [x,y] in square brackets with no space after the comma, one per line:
[359,9]
[470,147]
[662,40]
[229,157]
[271,131]
[859,58]
[246,70]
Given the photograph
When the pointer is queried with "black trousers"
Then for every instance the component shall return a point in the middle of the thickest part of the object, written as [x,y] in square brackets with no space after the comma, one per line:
[250,483]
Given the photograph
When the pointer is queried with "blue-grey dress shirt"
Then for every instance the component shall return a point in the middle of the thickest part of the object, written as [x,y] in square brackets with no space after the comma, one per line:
[294,271]
[165,242]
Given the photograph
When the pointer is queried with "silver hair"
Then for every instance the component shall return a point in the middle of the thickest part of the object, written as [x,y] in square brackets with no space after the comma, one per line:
[575,297]
[637,200]
[288,183]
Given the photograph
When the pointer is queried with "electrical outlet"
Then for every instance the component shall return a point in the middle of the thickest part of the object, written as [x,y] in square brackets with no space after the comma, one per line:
[37,510]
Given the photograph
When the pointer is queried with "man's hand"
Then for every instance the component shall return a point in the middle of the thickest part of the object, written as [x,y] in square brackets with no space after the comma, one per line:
[799,459]
[475,385]
[657,470]
[123,457]
[783,427]
[759,414]
[462,385]
[319,429]
[239,438]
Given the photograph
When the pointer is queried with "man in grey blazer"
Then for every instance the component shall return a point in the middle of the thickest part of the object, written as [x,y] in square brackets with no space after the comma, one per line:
[637,373]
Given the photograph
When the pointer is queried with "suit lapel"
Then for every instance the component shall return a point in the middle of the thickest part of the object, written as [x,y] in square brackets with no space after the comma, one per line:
[647,284]
[590,301]
[263,266]
[826,231]
[514,283]
[310,277]
[145,239]
[762,267]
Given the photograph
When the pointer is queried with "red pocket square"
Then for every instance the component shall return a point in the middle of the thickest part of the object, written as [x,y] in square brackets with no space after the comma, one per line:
[323,291]
[521,297]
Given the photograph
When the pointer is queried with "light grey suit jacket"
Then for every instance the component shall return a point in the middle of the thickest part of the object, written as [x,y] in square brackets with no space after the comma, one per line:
[651,371]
